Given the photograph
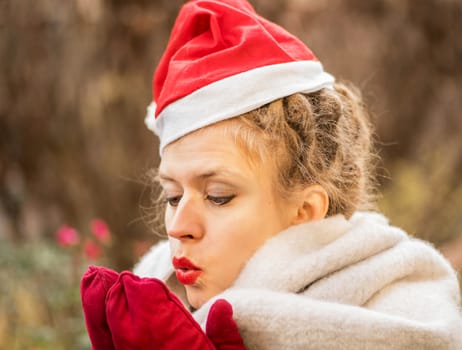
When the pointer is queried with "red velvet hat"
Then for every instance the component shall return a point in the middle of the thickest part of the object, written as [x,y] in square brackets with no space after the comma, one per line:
[223,60]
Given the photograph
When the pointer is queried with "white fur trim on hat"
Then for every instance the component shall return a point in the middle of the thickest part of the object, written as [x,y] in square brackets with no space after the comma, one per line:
[234,96]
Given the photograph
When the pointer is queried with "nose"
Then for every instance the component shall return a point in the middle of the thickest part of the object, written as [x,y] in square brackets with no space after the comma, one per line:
[185,222]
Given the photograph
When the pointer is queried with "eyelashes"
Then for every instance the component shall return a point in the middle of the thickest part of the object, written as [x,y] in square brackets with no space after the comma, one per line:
[173,201]
[220,200]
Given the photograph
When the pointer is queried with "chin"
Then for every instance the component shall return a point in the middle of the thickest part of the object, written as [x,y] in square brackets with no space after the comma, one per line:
[196,303]
[196,298]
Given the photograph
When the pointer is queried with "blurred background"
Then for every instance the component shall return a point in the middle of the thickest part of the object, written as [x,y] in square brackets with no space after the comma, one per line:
[75,79]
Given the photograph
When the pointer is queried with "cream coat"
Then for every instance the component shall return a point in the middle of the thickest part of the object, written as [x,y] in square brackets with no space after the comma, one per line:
[338,284]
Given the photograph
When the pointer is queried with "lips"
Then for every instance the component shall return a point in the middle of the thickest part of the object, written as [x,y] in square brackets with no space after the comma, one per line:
[186,272]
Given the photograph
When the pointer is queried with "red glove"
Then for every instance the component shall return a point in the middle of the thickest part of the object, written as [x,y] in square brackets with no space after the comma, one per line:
[141,313]
[221,328]
[95,284]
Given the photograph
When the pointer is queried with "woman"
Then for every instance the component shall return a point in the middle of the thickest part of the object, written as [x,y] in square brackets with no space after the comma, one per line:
[265,172]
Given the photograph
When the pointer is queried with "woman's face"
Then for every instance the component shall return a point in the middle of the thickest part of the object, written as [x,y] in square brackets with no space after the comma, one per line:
[221,208]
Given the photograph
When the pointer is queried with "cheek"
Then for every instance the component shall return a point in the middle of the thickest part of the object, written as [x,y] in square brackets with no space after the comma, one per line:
[167,217]
[235,242]
[227,244]
[174,244]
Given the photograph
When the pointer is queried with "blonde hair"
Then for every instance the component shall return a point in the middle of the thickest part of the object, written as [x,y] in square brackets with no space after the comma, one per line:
[321,138]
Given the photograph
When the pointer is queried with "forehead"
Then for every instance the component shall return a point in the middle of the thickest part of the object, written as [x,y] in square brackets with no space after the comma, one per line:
[209,150]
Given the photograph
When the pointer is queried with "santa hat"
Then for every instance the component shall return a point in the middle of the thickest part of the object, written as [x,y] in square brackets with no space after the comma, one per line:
[223,60]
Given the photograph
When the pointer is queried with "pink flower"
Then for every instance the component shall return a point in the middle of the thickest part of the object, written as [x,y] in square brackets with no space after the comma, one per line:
[100,230]
[67,236]
[92,250]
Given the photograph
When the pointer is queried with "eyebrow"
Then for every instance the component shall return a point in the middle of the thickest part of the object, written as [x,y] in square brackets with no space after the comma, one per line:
[205,175]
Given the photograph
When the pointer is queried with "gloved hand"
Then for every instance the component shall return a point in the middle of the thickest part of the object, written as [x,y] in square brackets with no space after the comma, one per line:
[94,286]
[128,312]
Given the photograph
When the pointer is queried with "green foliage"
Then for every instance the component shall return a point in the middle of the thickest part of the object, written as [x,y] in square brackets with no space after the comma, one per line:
[40,302]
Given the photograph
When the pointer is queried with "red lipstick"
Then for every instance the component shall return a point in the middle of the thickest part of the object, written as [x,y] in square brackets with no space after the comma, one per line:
[186,272]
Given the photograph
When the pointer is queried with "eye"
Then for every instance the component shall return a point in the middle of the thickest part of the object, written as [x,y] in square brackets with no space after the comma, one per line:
[220,200]
[173,201]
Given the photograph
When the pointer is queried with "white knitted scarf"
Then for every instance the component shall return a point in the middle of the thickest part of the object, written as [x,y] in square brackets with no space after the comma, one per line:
[338,284]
